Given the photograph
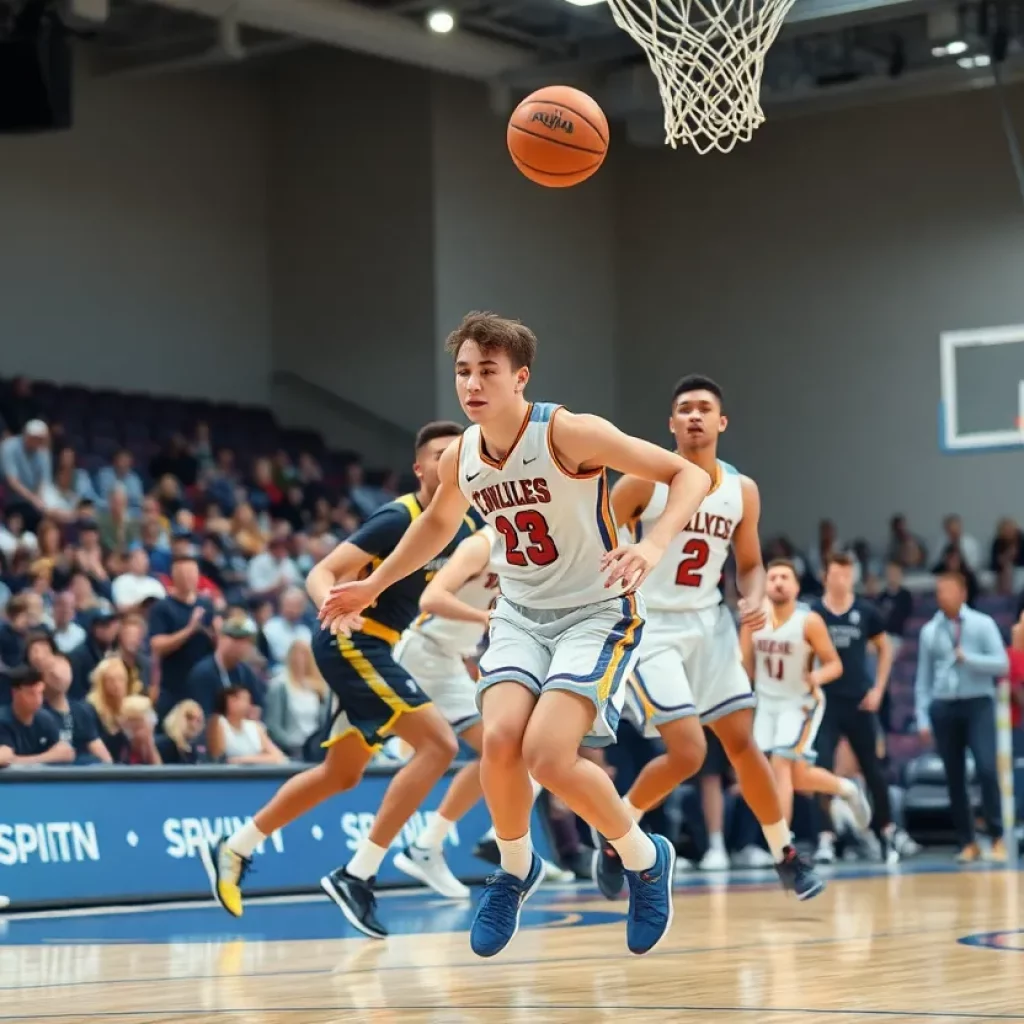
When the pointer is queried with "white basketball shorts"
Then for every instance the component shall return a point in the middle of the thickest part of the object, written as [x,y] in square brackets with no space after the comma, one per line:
[589,650]
[689,664]
[786,727]
[442,676]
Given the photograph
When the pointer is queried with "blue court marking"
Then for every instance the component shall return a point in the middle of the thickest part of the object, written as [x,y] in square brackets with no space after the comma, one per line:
[1011,941]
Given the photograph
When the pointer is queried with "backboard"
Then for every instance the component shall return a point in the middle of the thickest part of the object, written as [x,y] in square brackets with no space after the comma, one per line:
[982,389]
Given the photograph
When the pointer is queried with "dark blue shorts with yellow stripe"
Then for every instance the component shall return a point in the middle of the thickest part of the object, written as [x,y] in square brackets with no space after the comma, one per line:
[370,691]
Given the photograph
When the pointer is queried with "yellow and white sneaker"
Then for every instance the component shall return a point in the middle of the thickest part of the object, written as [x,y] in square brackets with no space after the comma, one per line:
[225,869]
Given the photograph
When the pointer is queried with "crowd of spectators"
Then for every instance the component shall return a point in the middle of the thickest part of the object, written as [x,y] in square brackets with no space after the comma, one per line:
[153,610]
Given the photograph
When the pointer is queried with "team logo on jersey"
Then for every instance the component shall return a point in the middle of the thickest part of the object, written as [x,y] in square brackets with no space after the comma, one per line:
[766,645]
[512,494]
[711,525]
[855,617]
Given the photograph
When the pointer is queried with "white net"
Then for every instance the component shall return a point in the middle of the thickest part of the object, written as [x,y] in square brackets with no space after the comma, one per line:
[708,57]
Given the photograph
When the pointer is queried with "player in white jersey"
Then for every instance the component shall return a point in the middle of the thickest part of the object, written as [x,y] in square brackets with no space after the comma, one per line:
[565,631]
[436,651]
[790,701]
[689,672]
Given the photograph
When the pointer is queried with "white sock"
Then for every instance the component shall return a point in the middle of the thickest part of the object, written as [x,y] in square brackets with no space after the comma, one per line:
[434,835]
[245,840]
[847,788]
[367,860]
[490,835]
[716,841]
[634,812]
[636,849]
[516,855]
[778,837]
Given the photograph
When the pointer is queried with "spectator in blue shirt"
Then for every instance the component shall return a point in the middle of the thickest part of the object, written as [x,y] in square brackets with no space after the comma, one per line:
[27,469]
[120,473]
[961,656]
[227,667]
[28,733]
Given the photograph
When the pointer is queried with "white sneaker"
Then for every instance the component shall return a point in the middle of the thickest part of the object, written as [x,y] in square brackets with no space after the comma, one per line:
[753,857]
[859,807]
[826,851]
[553,873]
[430,868]
[715,860]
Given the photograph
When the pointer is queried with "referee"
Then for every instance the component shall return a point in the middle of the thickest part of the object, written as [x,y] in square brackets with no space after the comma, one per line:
[852,701]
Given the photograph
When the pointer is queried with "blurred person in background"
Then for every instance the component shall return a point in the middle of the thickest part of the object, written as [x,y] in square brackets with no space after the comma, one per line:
[120,473]
[89,555]
[183,740]
[40,650]
[28,733]
[905,547]
[109,688]
[954,539]
[1007,554]
[13,534]
[69,487]
[960,657]
[953,562]
[226,668]
[75,720]
[119,528]
[820,552]
[101,629]
[246,531]
[67,633]
[27,468]
[234,736]
[273,571]
[130,649]
[137,720]
[14,632]
[296,700]
[174,459]
[85,594]
[135,586]
[182,630]
[289,626]
[55,553]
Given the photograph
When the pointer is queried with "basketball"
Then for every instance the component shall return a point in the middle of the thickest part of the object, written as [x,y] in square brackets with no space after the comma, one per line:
[558,136]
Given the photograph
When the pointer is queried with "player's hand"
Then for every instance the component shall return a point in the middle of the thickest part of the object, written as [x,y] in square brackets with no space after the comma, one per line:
[340,612]
[959,655]
[872,700]
[630,564]
[753,614]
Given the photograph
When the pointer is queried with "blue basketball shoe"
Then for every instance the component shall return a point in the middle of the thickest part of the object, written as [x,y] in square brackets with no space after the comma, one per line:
[497,914]
[650,899]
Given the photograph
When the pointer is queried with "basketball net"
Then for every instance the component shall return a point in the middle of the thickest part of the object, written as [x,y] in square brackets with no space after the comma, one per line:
[708,57]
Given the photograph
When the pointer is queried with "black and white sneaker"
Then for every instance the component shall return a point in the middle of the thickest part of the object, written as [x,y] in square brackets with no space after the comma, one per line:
[355,899]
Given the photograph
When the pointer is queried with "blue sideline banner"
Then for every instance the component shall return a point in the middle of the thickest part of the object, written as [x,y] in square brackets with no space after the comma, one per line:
[106,834]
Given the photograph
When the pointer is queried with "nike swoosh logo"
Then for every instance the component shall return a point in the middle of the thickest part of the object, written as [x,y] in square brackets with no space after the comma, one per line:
[474,476]
[526,462]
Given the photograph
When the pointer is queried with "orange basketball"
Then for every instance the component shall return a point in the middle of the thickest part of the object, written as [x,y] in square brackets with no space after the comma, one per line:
[558,136]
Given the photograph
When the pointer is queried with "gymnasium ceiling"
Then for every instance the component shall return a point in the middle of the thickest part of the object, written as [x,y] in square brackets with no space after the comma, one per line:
[830,53]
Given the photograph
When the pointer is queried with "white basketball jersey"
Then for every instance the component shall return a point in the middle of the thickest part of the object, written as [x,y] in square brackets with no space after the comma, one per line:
[463,638]
[686,579]
[554,526]
[781,658]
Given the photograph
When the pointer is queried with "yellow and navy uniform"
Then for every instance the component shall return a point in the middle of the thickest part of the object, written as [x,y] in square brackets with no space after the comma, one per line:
[370,690]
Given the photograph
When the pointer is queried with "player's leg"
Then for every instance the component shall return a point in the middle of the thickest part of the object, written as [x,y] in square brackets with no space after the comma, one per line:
[351,741]
[583,696]
[797,728]
[390,698]
[726,703]
[767,727]
[860,729]
[826,746]
[228,859]
[511,670]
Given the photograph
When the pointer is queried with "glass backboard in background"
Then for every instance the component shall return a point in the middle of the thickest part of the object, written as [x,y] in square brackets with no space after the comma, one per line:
[982,381]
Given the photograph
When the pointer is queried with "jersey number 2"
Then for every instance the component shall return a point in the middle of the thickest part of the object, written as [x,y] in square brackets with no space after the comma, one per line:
[540,548]
[696,552]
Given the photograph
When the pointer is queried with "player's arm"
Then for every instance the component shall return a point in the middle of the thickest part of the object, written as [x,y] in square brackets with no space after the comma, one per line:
[590,442]
[471,558]
[425,539]
[878,639]
[345,562]
[746,549]
[630,496]
[747,651]
[817,636]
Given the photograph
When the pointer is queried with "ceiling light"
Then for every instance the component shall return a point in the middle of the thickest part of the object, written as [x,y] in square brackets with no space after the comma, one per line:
[966,62]
[982,60]
[585,3]
[440,21]
[955,47]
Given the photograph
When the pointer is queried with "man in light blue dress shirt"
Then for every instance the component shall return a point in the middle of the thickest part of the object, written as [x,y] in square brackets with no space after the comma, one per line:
[960,657]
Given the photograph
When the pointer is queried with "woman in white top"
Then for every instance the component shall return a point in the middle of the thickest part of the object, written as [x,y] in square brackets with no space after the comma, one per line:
[295,701]
[234,736]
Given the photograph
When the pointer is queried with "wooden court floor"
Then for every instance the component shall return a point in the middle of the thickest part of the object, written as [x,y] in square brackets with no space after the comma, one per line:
[925,944]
